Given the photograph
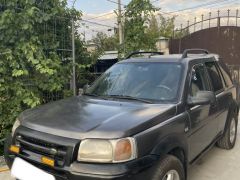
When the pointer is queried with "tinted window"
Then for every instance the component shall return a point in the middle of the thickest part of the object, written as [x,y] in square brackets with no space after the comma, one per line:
[226,77]
[152,81]
[199,80]
[214,76]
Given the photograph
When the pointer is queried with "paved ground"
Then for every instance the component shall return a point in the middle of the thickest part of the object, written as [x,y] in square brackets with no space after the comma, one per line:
[218,164]
[215,165]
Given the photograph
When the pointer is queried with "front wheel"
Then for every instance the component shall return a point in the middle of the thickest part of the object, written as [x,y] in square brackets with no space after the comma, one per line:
[169,168]
[229,138]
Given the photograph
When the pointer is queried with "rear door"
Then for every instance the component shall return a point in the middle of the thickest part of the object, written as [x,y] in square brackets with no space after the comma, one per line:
[203,122]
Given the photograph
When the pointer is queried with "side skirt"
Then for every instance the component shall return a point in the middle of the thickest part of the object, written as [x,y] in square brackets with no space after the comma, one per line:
[195,160]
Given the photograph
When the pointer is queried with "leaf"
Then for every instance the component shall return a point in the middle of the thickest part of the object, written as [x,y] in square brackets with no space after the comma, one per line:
[17,73]
[33,67]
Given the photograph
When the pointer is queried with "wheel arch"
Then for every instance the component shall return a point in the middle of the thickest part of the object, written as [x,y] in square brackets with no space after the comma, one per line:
[232,112]
[175,145]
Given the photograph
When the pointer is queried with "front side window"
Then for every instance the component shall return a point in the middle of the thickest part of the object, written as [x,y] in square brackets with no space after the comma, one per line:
[199,80]
[151,81]
[214,76]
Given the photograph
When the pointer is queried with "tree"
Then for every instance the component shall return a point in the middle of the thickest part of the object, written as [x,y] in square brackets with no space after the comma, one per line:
[85,61]
[166,26]
[105,43]
[137,17]
[152,32]
[29,61]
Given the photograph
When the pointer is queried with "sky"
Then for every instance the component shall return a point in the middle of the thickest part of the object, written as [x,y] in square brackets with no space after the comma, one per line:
[95,8]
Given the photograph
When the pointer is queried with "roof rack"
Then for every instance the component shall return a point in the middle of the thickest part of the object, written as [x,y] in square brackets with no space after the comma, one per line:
[187,51]
[144,52]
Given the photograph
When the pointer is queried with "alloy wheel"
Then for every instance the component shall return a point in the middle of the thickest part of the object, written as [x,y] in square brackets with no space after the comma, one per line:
[171,175]
[232,131]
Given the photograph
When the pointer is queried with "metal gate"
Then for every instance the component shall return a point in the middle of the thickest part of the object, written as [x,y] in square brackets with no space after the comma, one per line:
[219,34]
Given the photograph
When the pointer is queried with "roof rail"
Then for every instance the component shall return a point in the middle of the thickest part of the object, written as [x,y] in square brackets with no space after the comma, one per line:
[186,51]
[144,52]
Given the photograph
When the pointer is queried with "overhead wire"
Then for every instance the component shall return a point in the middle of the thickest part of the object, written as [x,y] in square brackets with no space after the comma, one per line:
[112,12]
[99,24]
[116,2]
[106,13]
[91,22]
[162,12]
[224,3]
[100,16]
[198,6]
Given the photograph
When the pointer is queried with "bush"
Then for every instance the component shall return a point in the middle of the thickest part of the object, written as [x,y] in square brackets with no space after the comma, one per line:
[29,61]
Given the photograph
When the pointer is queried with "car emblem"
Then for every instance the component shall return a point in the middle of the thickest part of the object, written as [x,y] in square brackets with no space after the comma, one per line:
[53,151]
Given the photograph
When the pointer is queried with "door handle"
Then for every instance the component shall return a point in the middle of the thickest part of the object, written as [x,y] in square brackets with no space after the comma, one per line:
[214,105]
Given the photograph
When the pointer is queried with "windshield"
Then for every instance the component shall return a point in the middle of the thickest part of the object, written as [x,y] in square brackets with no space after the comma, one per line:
[149,81]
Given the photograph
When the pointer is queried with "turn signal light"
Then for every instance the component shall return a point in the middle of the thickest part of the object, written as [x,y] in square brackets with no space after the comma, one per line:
[48,161]
[14,149]
[123,150]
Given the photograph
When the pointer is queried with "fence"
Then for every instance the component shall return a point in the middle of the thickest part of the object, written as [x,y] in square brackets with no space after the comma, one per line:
[229,18]
[55,36]
[54,96]
[219,32]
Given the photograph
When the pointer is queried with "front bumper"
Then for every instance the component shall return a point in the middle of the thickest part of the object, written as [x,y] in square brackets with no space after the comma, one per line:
[139,169]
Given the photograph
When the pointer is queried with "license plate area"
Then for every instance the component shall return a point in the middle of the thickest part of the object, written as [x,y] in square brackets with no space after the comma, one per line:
[26,171]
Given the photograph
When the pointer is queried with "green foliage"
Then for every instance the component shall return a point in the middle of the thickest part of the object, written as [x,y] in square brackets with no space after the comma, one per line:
[84,61]
[178,34]
[137,17]
[166,26]
[29,62]
[105,43]
[142,28]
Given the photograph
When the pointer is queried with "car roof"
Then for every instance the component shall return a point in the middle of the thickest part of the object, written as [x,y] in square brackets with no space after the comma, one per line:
[172,58]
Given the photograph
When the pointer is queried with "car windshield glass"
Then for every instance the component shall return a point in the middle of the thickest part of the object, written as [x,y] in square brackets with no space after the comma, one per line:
[149,81]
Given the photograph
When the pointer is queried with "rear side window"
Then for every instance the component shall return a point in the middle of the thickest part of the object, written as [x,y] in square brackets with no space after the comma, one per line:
[214,76]
[226,77]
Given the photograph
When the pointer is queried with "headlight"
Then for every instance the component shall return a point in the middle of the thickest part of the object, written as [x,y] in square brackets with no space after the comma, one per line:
[107,151]
[15,126]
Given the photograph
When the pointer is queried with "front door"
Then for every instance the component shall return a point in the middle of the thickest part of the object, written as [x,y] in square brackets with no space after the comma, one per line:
[203,121]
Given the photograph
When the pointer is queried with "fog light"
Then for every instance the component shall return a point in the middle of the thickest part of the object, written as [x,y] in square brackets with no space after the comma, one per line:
[14,149]
[48,161]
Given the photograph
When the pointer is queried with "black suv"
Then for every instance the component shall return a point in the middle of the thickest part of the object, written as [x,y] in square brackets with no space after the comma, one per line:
[144,118]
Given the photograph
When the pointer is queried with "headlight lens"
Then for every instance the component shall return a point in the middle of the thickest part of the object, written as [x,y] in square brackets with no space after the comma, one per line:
[15,126]
[107,151]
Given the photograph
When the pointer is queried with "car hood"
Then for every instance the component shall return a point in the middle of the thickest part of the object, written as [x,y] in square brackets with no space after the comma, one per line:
[84,117]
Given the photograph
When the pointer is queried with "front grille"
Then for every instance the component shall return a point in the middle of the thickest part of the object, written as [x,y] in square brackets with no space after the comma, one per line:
[36,148]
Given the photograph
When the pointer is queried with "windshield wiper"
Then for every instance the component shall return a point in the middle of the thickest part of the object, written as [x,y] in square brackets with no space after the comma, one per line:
[95,95]
[130,98]
[89,94]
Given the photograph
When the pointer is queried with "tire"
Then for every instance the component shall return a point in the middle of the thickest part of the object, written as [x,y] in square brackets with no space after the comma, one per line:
[169,165]
[229,138]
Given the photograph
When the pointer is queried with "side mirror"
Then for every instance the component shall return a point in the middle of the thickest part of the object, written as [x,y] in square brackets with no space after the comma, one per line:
[81,91]
[202,98]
